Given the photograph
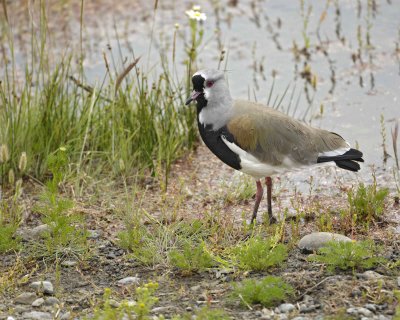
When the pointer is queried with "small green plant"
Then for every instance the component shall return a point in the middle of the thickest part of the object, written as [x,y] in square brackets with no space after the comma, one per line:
[349,255]
[397,311]
[260,254]
[109,312]
[268,291]
[192,257]
[242,188]
[67,235]
[145,300]
[207,313]
[367,202]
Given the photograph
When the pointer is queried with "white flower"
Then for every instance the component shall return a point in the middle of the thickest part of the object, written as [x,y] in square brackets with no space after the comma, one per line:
[196,8]
[196,15]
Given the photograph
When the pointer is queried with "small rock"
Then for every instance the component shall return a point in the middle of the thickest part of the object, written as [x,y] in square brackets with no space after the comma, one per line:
[282,316]
[25,298]
[93,234]
[160,309]
[370,307]
[10,318]
[128,281]
[38,302]
[370,275]
[34,233]
[361,311]
[267,312]
[195,288]
[189,309]
[113,303]
[42,286]
[51,301]
[21,309]
[301,318]
[316,240]
[286,307]
[33,315]
[382,317]
[66,316]
[68,263]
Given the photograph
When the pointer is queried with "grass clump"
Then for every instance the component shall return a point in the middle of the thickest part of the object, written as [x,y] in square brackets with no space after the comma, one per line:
[191,257]
[260,254]
[349,255]
[140,309]
[268,291]
[66,235]
[366,203]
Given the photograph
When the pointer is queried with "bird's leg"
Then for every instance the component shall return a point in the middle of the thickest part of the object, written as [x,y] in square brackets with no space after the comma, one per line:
[268,182]
[259,195]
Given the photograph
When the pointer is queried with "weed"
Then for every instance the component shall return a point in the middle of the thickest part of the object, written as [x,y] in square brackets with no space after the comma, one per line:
[367,202]
[145,300]
[268,291]
[349,255]
[66,236]
[260,254]
[397,311]
[191,257]
[242,188]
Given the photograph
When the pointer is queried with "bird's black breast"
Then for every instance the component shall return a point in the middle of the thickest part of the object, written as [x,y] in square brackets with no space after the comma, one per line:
[213,141]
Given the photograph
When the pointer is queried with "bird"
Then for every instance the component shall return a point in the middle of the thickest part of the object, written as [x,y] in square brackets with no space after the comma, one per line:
[260,141]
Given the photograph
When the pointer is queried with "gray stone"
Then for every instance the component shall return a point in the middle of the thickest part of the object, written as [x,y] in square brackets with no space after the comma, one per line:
[370,275]
[282,316]
[382,317]
[317,240]
[34,233]
[286,307]
[38,302]
[68,263]
[195,288]
[128,281]
[51,301]
[114,303]
[360,311]
[21,309]
[37,315]
[25,298]
[66,316]
[370,307]
[43,286]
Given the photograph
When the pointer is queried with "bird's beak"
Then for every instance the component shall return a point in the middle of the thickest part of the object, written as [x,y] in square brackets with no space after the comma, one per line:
[192,97]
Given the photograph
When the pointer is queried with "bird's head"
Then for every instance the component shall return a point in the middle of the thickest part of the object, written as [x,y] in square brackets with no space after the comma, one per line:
[208,84]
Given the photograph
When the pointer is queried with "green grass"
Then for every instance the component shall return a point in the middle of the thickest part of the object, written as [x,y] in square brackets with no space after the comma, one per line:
[268,291]
[260,254]
[349,255]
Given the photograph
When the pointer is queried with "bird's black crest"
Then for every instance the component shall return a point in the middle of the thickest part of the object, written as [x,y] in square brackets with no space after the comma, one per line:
[198,83]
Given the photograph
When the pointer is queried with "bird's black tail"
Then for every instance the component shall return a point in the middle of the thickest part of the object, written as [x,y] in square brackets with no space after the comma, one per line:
[347,161]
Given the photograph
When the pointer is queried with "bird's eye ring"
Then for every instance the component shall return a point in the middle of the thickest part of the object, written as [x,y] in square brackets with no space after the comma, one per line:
[209,84]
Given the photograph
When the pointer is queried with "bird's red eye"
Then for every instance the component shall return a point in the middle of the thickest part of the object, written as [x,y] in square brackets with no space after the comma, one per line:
[209,84]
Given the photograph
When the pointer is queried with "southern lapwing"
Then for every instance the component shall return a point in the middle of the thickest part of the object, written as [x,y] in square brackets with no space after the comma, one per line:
[261,141]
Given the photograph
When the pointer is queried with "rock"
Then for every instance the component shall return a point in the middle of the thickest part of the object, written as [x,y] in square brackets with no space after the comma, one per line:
[68,263]
[51,301]
[128,281]
[370,307]
[382,317]
[10,318]
[38,302]
[25,298]
[34,233]
[300,318]
[317,240]
[66,316]
[21,309]
[157,310]
[282,316]
[37,315]
[360,311]
[370,275]
[42,286]
[286,307]
[114,303]
[195,288]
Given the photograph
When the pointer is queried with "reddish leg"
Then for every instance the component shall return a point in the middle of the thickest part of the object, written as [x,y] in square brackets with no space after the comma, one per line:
[268,182]
[259,195]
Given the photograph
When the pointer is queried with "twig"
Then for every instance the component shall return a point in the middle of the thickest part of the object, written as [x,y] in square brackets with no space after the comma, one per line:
[124,74]
[86,88]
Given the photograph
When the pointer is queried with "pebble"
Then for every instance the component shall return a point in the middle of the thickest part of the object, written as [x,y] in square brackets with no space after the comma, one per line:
[370,275]
[314,241]
[128,281]
[382,317]
[361,311]
[34,233]
[68,263]
[37,315]
[38,302]
[195,288]
[43,286]
[21,309]
[51,301]
[66,316]
[114,303]
[25,298]
[370,307]
[286,307]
